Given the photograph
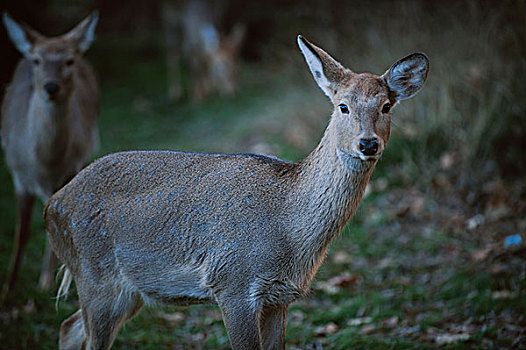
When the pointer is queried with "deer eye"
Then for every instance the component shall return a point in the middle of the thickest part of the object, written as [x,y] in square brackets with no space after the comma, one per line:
[69,62]
[344,109]
[386,108]
[36,61]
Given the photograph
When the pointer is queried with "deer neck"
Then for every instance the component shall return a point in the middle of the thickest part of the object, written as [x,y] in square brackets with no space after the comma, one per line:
[48,122]
[330,185]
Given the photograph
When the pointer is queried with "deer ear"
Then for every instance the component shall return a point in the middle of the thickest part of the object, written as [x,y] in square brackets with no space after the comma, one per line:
[406,77]
[237,35]
[21,34]
[209,38]
[83,34]
[327,72]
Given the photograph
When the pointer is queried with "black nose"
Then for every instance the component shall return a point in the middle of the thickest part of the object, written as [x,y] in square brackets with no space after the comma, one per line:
[52,88]
[369,147]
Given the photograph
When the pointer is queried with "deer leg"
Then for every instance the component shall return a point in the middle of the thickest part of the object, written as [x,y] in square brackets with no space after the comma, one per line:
[104,312]
[173,39]
[241,323]
[24,209]
[174,74]
[72,333]
[273,322]
[48,268]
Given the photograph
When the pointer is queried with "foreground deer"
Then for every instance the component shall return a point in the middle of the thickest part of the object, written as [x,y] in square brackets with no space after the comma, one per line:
[194,44]
[48,123]
[246,232]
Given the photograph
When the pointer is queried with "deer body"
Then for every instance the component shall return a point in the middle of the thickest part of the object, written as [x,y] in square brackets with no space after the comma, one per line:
[49,117]
[193,42]
[246,232]
[45,142]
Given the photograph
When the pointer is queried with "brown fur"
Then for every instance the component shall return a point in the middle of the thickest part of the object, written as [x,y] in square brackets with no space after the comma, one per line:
[245,232]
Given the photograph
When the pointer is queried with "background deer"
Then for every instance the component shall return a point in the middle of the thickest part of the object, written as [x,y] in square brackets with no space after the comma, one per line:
[200,59]
[49,117]
[246,232]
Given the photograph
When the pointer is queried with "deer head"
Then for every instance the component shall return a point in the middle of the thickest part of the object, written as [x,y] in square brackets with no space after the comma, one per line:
[52,59]
[362,102]
[222,53]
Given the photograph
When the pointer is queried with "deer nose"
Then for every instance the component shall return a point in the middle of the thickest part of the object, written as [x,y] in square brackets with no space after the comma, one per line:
[52,88]
[369,147]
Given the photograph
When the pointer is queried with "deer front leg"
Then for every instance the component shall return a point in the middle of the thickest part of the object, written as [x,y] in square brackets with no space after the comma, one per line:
[241,322]
[24,209]
[273,322]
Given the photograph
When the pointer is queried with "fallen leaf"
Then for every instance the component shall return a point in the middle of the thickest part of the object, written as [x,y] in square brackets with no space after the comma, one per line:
[443,339]
[475,221]
[367,329]
[341,257]
[481,255]
[329,328]
[359,321]
[390,322]
[333,285]
[497,268]
[413,203]
[432,330]
[441,182]
[503,294]
[173,318]
[296,317]
[385,263]
[343,280]
[380,185]
[446,160]
[452,251]
[29,307]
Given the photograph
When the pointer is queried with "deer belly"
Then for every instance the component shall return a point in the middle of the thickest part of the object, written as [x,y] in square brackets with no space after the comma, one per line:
[158,278]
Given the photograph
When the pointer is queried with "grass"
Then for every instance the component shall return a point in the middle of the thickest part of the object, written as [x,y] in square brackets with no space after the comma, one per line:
[403,274]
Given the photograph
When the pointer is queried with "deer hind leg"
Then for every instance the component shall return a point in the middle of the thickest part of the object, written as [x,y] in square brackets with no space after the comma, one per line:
[24,209]
[103,313]
[273,322]
[72,333]
[47,275]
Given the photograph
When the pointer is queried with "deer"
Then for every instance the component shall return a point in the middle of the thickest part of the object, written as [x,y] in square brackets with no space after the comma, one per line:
[246,232]
[49,115]
[200,59]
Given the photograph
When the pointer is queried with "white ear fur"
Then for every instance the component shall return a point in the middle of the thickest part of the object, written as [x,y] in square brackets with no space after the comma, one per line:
[209,38]
[315,66]
[17,34]
[84,33]
[237,35]
[406,77]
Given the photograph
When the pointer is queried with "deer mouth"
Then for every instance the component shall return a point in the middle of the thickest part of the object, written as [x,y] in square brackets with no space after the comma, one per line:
[368,158]
[355,160]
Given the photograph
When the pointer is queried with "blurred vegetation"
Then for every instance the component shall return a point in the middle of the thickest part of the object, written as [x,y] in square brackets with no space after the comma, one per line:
[424,263]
